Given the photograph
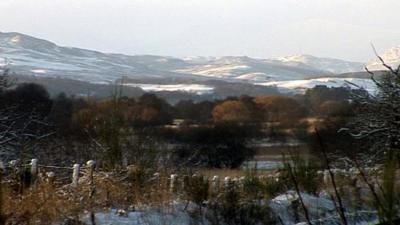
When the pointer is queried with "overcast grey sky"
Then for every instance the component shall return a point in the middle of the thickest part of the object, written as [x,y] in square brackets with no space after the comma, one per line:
[258,28]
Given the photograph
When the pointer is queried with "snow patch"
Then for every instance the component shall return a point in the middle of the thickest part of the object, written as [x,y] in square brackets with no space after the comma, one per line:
[321,210]
[191,88]
[302,85]
[15,39]
[39,71]
[214,70]
[3,62]
[176,213]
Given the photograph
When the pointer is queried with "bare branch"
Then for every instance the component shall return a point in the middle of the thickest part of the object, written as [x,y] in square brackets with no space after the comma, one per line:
[383,61]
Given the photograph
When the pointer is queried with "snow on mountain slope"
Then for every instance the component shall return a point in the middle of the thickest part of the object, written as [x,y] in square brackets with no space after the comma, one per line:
[248,69]
[327,64]
[28,55]
[300,86]
[190,88]
[390,56]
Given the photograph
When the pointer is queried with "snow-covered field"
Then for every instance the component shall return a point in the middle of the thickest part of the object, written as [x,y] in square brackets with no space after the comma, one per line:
[321,210]
[190,88]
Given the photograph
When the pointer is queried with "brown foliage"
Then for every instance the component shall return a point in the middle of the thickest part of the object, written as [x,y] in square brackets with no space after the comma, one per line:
[231,111]
[279,108]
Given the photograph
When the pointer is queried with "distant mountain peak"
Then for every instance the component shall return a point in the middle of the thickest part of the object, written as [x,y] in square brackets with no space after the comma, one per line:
[331,65]
[34,56]
[391,57]
[24,41]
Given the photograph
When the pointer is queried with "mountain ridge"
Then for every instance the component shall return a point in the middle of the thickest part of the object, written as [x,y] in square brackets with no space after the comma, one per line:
[29,56]
[33,56]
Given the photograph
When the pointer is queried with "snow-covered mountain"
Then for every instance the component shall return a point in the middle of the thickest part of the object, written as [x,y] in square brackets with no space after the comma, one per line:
[336,66]
[243,68]
[390,56]
[29,55]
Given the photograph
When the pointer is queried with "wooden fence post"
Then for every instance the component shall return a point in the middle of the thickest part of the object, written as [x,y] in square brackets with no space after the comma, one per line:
[91,165]
[14,164]
[157,179]
[173,182]
[227,182]
[34,170]
[215,184]
[242,180]
[326,177]
[75,175]
[51,176]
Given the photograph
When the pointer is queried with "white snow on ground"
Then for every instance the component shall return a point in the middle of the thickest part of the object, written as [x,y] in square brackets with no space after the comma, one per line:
[285,206]
[176,213]
[320,209]
[302,85]
[191,88]
[143,218]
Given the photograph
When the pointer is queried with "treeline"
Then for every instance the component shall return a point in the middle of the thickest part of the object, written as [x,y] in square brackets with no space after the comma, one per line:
[147,129]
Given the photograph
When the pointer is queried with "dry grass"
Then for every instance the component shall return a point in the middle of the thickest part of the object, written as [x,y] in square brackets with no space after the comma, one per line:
[40,205]
[46,203]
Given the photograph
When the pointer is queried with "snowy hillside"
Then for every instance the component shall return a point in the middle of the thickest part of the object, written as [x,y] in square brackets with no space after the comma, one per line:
[299,86]
[327,64]
[32,55]
[248,69]
[190,88]
[28,55]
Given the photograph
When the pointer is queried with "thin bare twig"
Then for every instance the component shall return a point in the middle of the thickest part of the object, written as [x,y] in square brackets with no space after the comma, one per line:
[383,61]
[296,185]
[339,199]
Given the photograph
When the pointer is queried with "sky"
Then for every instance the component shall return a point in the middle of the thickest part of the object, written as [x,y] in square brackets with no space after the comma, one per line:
[341,29]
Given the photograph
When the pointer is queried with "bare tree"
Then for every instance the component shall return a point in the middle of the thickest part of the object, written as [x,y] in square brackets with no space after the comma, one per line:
[378,122]
[378,118]
[19,130]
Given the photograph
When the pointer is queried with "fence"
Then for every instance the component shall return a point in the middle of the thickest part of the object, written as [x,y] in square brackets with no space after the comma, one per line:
[85,177]
[38,173]
[76,171]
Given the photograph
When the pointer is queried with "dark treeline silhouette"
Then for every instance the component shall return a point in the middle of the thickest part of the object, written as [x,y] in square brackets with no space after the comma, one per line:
[212,133]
